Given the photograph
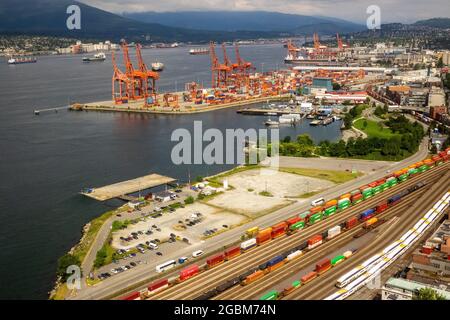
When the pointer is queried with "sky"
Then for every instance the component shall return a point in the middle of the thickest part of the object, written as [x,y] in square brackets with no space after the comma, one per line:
[405,11]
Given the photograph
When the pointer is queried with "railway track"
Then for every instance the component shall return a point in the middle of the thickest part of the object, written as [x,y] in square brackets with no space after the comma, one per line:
[260,287]
[324,285]
[209,279]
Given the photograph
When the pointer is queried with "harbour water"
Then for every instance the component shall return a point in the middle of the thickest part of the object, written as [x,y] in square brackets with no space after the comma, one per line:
[47,159]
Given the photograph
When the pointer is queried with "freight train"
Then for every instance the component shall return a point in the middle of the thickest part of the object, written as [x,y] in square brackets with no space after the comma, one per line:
[364,273]
[310,217]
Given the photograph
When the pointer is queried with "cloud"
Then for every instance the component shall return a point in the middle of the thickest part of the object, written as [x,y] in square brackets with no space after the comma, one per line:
[352,10]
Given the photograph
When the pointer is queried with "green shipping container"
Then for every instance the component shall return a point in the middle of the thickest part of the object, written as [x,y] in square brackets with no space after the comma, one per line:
[392,182]
[315,217]
[385,186]
[296,283]
[376,190]
[272,295]
[297,225]
[344,205]
[367,195]
[424,168]
[403,177]
[329,211]
[336,260]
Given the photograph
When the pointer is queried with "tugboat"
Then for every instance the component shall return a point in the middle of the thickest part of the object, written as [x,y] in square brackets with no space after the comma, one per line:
[97,57]
[157,66]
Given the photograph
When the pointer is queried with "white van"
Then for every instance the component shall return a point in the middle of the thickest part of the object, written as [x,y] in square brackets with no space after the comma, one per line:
[153,245]
[318,202]
[197,253]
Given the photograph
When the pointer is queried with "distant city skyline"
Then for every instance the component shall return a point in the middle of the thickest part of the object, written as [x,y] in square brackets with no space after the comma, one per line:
[404,11]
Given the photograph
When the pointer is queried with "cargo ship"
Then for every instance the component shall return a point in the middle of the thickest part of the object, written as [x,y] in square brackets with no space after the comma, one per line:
[96,58]
[301,60]
[199,51]
[21,60]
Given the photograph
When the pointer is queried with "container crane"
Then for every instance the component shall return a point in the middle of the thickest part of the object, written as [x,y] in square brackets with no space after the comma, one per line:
[124,84]
[150,78]
[219,72]
[137,77]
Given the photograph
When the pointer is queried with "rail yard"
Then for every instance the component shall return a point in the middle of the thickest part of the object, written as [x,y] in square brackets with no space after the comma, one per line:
[393,205]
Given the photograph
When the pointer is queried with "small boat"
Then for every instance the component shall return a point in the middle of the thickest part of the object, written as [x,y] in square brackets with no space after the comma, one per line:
[270,122]
[289,118]
[96,58]
[22,60]
[310,116]
[157,66]
[271,114]
[315,123]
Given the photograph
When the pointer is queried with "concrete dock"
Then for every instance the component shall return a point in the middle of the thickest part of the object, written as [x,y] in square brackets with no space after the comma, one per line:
[126,187]
[183,108]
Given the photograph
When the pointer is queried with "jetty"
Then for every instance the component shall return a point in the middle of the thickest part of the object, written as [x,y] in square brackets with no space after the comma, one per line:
[122,189]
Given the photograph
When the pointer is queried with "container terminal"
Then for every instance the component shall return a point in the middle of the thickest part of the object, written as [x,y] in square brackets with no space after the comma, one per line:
[234,83]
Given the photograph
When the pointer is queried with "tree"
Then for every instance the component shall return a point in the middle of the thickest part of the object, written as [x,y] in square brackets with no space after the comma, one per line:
[305,139]
[63,263]
[440,63]
[189,200]
[287,139]
[336,86]
[433,149]
[428,294]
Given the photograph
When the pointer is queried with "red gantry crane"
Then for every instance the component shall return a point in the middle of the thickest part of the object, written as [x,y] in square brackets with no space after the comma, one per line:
[150,77]
[119,78]
[138,78]
[219,72]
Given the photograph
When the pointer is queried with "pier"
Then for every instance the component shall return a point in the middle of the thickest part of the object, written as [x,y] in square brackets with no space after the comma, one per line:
[56,109]
[122,189]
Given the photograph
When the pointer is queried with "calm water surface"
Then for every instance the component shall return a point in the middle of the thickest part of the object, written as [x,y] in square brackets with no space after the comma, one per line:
[45,160]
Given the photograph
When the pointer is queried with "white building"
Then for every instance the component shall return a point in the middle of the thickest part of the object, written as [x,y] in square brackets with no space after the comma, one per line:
[403,289]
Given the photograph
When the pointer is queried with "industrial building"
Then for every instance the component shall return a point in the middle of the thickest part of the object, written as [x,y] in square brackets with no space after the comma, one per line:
[403,289]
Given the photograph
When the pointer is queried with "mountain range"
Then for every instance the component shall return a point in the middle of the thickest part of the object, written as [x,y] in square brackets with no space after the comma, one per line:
[246,20]
[48,17]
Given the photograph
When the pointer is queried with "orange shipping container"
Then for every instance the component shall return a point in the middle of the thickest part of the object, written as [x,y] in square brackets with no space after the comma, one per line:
[345,196]
[315,210]
[331,203]
[253,277]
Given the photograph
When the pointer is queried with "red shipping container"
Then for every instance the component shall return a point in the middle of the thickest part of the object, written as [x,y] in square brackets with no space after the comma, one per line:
[350,223]
[373,184]
[215,260]
[308,277]
[279,229]
[381,181]
[427,250]
[232,252]
[315,210]
[382,206]
[323,266]
[133,296]
[314,239]
[262,238]
[158,285]
[356,197]
[293,220]
[189,272]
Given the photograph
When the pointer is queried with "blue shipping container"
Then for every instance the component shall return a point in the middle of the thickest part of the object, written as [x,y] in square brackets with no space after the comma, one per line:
[274,261]
[394,198]
[368,212]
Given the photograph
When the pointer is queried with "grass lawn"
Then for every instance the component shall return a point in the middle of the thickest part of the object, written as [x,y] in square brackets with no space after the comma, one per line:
[373,129]
[330,175]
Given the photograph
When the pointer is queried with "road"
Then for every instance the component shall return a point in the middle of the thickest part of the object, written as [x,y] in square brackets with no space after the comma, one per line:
[142,273]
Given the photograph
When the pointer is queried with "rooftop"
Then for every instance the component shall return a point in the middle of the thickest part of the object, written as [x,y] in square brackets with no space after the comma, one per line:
[413,286]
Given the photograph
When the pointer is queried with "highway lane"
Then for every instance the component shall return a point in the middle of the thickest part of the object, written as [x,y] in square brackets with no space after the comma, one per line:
[325,284]
[213,277]
[144,273]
